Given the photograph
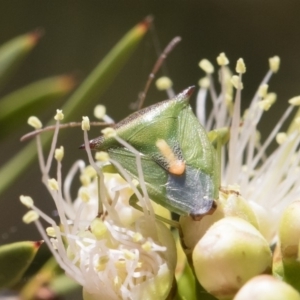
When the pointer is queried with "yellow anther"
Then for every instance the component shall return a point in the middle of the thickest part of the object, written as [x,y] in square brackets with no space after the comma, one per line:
[135,182]
[147,246]
[98,228]
[53,184]
[271,97]
[206,66]
[235,80]
[264,104]
[257,136]
[274,63]
[120,264]
[30,216]
[101,264]
[222,59]
[59,153]
[109,132]
[228,99]
[240,66]
[281,137]
[27,201]
[297,120]
[204,82]
[102,156]
[137,237]
[34,122]
[129,255]
[89,171]
[117,282]
[163,83]
[295,101]
[59,115]
[85,124]
[50,231]
[99,111]
[83,194]
[263,90]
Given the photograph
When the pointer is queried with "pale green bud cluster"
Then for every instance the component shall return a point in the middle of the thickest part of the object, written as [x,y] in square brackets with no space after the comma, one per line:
[230,253]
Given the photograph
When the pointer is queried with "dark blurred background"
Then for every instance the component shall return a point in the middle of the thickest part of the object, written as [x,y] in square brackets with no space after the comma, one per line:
[79,33]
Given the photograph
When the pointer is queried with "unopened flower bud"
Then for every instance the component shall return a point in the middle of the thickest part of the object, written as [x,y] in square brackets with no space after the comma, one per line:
[289,230]
[193,230]
[234,205]
[230,249]
[266,287]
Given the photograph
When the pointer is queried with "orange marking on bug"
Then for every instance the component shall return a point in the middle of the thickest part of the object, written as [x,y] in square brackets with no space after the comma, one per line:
[175,165]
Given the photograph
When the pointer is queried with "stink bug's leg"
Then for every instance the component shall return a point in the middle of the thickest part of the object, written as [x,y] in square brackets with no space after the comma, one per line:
[155,69]
[61,126]
[133,201]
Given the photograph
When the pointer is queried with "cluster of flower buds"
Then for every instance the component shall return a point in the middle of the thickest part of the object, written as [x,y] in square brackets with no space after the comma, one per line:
[257,209]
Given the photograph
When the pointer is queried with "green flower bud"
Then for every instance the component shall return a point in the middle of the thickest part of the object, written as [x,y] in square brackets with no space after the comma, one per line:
[289,230]
[231,252]
[192,230]
[266,287]
[286,265]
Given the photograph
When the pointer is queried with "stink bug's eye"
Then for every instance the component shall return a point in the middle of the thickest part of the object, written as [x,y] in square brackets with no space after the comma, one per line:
[178,160]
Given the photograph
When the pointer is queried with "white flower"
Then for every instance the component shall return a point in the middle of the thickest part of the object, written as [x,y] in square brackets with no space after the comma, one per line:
[268,180]
[113,250]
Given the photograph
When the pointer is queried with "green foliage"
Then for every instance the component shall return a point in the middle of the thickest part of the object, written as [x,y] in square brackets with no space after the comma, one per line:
[87,92]
[14,260]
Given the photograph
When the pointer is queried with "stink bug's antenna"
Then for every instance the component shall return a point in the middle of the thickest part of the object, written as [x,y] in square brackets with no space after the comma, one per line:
[138,105]
[155,69]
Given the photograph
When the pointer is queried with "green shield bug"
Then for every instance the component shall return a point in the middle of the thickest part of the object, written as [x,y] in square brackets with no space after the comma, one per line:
[180,164]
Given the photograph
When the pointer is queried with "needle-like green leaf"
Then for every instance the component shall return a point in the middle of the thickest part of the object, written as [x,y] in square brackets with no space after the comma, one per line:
[31,99]
[13,52]
[93,86]
[14,260]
